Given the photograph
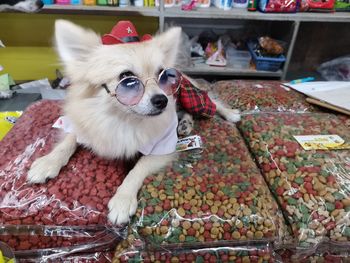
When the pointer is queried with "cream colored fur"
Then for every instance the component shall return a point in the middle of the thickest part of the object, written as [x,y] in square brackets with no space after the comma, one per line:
[107,127]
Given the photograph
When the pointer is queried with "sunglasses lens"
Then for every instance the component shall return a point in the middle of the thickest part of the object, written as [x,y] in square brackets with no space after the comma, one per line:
[169,81]
[129,91]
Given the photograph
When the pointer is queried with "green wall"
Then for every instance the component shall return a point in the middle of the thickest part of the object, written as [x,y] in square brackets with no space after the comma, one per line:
[28,39]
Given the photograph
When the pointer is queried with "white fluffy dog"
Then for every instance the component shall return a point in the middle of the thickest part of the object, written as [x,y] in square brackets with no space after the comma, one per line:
[102,123]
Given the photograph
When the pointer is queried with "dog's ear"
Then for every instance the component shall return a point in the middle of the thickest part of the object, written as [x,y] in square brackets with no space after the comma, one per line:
[74,42]
[169,43]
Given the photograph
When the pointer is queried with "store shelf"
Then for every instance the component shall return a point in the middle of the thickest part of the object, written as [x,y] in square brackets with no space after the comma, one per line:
[100,10]
[203,69]
[237,13]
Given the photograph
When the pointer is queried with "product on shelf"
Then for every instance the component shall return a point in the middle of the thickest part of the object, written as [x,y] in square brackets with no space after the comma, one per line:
[260,96]
[240,3]
[62,2]
[270,47]
[316,5]
[342,5]
[215,196]
[89,2]
[167,3]
[311,186]
[237,58]
[78,196]
[278,6]
[263,61]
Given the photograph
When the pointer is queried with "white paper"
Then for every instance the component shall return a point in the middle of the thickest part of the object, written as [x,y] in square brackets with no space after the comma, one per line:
[43,87]
[336,93]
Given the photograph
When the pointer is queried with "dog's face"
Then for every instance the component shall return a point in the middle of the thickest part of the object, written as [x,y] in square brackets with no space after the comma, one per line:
[89,65]
[22,5]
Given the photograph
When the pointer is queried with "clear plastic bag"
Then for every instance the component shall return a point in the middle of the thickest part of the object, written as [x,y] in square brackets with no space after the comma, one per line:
[85,257]
[260,96]
[132,250]
[311,186]
[322,254]
[52,244]
[77,197]
[336,69]
[214,196]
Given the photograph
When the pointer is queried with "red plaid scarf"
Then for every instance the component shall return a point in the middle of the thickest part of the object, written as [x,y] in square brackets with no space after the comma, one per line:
[194,100]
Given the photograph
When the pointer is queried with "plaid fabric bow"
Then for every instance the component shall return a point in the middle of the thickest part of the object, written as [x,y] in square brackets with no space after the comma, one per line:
[194,100]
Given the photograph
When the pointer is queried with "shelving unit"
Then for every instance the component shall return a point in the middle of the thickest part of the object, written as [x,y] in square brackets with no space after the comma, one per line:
[203,69]
[239,13]
[101,10]
[294,21]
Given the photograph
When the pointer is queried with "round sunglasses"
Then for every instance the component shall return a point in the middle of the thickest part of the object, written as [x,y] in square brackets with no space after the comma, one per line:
[129,90]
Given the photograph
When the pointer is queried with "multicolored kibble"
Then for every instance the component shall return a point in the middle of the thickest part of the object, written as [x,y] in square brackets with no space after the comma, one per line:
[65,238]
[311,186]
[219,196]
[133,252]
[322,255]
[261,96]
[78,196]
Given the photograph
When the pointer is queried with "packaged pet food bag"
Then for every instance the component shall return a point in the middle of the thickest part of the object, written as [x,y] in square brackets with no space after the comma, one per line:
[65,214]
[252,96]
[7,120]
[212,195]
[316,5]
[278,6]
[321,254]
[305,159]
[342,5]
[132,250]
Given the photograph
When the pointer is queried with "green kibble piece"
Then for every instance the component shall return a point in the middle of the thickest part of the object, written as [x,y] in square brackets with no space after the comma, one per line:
[199,259]
[347,209]
[302,225]
[303,209]
[346,231]
[299,180]
[324,173]
[292,201]
[190,239]
[330,207]
[338,196]
[155,183]
[306,218]
[304,244]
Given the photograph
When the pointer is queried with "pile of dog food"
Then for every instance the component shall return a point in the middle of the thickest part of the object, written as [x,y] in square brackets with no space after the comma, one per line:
[312,186]
[131,252]
[251,194]
[260,96]
[67,211]
[214,197]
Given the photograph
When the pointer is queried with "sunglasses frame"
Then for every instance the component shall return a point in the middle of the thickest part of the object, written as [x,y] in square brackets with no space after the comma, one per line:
[144,83]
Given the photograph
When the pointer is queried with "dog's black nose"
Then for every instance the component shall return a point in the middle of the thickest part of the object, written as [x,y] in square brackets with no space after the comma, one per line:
[39,4]
[159,101]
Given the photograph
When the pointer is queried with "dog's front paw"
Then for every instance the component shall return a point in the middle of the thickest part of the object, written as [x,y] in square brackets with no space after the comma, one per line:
[121,207]
[233,115]
[185,125]
[42,169]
